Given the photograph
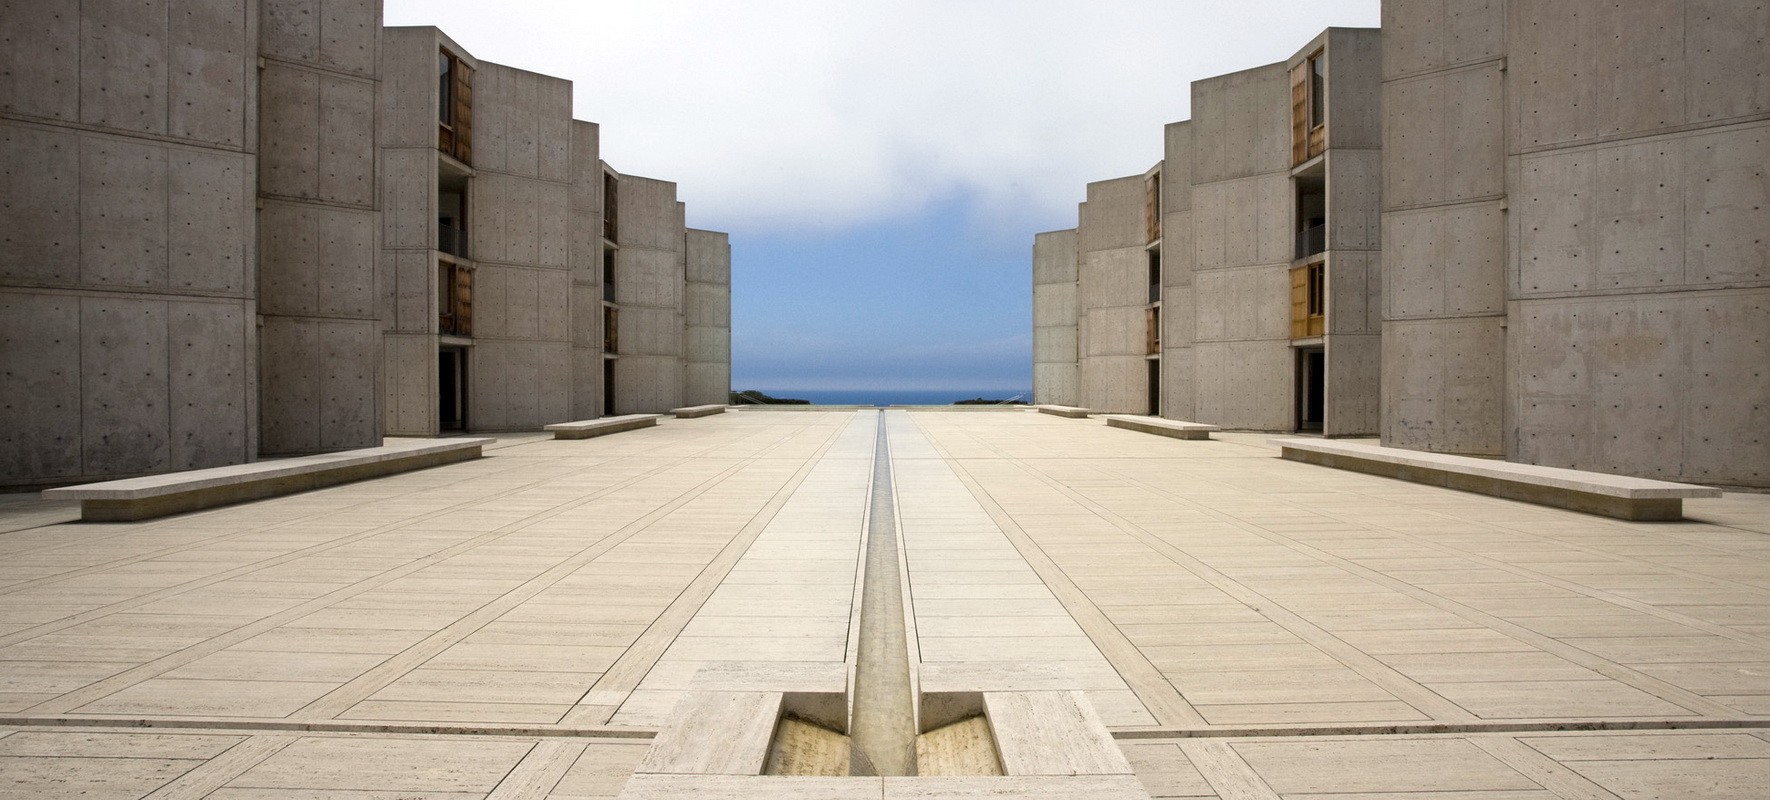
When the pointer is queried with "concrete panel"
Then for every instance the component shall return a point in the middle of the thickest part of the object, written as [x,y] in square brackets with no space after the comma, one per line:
[124,386]
[415,291]
[1239,304]
[288,252]
[210,61]
[707,305]
[409,201]
[648,277]
[647,214]
[705,345]
[1354,87]
[1444,385]
[1054,305]
[1354,199]
[1176,169]
[209,220]
[706,384]
[1242,222]
[1663,386]
[1054,257]
[122,213]
[586,318]
[506,219]
[349,33]
[39,205]
[1443,137]
[1426,35]
[1241,124]
[650,331]
[553,305]
[554,133]
[348,353]
[1179,316]
[210,385]
[346,143]
[553,220]
[1055,384]
[1115,331]
[1632,68]
[1245,385]
[290,118]
[1115,384]
[409,384]
[1113,216]
[647,384]
[290,29]
[586,383]
[1353,391]
[1178,368]
[40,359]
[290,385]
[1447,261]
[40,59]
[408,88]
[1658,212]
[1177,246]
[1111,278]
[1054,345]
[1355,293]
[123,65]
[709,257]
[346,277]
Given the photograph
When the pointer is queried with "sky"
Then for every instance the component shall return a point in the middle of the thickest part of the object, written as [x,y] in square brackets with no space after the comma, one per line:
[882,166]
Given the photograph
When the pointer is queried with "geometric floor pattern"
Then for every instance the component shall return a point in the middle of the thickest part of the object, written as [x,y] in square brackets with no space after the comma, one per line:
[1248,627]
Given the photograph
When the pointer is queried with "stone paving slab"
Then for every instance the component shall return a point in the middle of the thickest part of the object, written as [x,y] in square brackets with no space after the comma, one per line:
[1246,626]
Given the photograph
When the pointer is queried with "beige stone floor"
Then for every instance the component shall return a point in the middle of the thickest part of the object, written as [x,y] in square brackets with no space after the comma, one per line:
[516,626]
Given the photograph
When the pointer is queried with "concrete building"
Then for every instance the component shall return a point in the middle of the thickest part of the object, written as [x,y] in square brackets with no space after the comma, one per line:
[1234,281]
[1574,213]
[1514,231]
[266,227]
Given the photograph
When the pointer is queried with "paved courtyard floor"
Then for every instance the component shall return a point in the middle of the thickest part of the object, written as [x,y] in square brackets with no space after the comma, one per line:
[1247,627]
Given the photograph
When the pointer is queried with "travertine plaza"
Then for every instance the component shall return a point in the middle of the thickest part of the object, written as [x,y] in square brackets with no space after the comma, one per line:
[569,571]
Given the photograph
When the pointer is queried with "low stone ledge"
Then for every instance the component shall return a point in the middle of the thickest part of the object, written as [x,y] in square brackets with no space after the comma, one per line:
[588,428]
[1161,427]
[1618,496]
[1071,412]
[153,496]
[690,412]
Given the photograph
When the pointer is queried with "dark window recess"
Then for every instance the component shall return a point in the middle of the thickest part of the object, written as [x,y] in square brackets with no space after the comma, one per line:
[451,223]
[1317,90]
[610,203]
[608,274]
[1155,387]
[1311,389]
[1311,217]
[451,384]
[1155,276]
[608,386]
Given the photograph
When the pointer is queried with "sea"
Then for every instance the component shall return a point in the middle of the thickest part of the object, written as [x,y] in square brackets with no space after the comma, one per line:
[895,397]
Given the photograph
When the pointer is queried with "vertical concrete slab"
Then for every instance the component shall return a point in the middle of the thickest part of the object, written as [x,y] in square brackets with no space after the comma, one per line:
[1112,291]
[1055,311]
[706,310]
[40,381]
[40,48]
[39,205]
[124,415]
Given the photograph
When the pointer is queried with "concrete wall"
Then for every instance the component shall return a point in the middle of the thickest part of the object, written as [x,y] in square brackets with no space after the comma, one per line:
[127,134]
[706,311]
[1241,250]
[1639,274]
[586,269]
[1444,238]
[1112,295]
[1054,318]
[650,267]
[1353,165]
[1179,388]
[319,344]
[519,220]
[407,271]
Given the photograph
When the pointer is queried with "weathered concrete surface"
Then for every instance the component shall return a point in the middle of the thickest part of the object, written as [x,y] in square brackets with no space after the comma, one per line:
[1112,296]
[706,315]
[649,288]
[1055,313]
[478,624]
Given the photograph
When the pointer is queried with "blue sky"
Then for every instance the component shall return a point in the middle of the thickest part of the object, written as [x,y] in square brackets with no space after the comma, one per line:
[882,166]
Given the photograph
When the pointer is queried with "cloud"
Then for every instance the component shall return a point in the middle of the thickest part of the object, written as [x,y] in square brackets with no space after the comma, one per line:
[827,115]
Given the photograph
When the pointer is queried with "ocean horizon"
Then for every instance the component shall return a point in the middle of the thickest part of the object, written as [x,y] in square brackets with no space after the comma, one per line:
[893,397]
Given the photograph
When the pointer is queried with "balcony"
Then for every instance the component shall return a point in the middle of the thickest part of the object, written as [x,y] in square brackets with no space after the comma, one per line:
[451,240]
[1312,240]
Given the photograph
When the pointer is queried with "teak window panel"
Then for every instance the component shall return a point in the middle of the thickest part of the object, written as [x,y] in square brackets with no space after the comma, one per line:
[1152,332]
[611,329]
[1309,301]
[454,299]
[1152,207]
[1309,108]
[454,110]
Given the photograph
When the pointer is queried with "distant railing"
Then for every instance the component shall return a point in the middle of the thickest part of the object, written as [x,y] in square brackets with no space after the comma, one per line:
[451,240]
[1312,240]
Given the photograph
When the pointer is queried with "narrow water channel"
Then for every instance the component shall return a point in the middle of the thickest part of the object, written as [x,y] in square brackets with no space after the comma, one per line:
[883,728]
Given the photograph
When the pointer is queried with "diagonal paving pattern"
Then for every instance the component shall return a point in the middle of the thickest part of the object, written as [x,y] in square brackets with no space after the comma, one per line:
[519,625]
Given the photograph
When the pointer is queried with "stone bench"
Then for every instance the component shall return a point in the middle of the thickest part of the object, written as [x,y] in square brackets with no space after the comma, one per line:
[1161,427]
[152,496]
[690,412]
[1065,411]
[1592,492]
[587,428]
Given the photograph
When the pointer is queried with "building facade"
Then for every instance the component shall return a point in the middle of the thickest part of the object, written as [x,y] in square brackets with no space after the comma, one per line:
[1232,282]
[1524,230]
[247,229]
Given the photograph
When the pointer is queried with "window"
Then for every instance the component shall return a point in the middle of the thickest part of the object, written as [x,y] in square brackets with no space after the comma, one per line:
[1152,337]
[1317,90]
[1152,207]
[610,223]
[454,107]
[445,88]
[454,299]
[1309,300]
[611,330]
[1155,276]
[608,273]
